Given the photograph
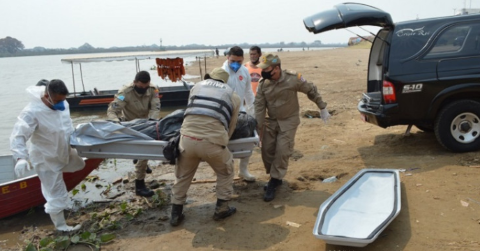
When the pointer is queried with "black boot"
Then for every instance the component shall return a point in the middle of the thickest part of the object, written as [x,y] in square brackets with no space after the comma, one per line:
[141,189]
[177,215]
[148,167]
[222,210]
[270,189]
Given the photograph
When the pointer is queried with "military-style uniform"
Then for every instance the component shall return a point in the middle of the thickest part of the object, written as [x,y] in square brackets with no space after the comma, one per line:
[129,105]
[278,100]
[205,135]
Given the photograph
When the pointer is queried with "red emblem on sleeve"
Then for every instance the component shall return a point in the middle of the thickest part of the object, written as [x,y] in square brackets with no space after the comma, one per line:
[240,77]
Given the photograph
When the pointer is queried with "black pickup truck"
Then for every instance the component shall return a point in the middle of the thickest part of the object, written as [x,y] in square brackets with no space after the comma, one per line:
[421,72]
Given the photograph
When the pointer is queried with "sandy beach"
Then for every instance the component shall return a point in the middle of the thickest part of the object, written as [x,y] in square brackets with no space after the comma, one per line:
[440,190]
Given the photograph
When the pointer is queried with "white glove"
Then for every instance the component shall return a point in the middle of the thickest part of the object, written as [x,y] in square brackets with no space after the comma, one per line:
[21,167]
[324,115]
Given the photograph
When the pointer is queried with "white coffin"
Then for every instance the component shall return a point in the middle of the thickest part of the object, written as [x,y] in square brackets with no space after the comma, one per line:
[360,210]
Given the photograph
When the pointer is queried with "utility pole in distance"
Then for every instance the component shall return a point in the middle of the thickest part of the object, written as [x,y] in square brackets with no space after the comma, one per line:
[160,44]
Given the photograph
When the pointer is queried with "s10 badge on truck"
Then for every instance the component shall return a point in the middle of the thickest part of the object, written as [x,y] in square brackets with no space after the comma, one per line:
[412,88]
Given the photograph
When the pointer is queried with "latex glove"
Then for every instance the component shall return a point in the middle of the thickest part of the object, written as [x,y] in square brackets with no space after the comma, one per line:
[21,167]
[324,115]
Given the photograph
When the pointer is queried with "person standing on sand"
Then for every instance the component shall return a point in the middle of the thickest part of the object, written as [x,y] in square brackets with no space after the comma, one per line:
[277,98]
[253,69]
[209,122]
[46,122]
[240,82]
[137,100]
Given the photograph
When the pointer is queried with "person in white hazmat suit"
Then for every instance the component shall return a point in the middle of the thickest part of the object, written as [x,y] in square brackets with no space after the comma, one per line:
[46,122]
[239,81]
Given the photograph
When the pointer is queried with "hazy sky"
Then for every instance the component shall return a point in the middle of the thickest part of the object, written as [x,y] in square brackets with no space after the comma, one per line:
[107,23]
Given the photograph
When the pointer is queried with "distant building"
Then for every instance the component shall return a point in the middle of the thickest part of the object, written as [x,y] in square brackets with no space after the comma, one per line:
[466,11]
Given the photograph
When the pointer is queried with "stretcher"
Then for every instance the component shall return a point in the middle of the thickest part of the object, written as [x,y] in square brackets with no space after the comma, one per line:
[153,149]
[357,213]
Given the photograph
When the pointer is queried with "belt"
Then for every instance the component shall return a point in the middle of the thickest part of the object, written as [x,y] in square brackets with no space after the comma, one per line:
[193,138]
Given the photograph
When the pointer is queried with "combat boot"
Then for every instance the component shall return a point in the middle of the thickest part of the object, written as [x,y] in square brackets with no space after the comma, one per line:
[222,210]
[177,215]
[270,189]
[148,170]
[141,189]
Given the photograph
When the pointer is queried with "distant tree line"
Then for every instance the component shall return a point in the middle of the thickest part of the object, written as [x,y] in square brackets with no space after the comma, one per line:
[11,47]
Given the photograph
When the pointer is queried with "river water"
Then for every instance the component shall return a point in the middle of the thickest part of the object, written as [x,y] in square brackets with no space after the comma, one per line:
[17,73]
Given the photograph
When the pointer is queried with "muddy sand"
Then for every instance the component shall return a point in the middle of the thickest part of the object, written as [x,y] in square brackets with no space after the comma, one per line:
[440,190]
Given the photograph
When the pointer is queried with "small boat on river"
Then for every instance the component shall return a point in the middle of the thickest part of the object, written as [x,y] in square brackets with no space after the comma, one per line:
[20,194]
[170,96]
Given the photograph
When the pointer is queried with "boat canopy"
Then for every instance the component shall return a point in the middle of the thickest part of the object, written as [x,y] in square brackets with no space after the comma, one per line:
[140,55]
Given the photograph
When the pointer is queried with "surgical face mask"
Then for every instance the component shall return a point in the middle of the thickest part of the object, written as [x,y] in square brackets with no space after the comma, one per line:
[60,106]
[267,74]
[140,90]
[235,66]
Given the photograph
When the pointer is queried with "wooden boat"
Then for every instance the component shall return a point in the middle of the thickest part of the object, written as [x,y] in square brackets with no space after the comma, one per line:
[20,194]
[170,96]
[358,212]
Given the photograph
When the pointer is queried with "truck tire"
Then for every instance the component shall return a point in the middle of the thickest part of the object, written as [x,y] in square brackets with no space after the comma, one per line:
[457,127]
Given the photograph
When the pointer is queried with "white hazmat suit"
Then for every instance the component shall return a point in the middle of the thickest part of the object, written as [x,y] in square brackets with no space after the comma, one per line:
[49,152]
[240,82]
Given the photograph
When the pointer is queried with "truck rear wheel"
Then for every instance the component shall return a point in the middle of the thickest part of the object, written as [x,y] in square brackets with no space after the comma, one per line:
[457,127]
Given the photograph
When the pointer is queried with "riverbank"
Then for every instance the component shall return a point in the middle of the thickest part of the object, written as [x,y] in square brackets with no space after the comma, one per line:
[440,190]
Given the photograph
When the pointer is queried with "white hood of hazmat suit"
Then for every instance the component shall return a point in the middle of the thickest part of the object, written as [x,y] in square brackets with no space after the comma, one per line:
[49,150]
[240,82]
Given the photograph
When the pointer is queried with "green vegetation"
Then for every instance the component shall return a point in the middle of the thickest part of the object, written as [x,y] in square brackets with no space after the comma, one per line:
[103,220]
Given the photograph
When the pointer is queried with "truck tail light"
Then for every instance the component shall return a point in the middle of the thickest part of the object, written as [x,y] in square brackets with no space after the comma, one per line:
[389,93]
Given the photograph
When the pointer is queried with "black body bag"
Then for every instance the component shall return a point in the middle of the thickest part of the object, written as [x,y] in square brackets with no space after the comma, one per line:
[171,152]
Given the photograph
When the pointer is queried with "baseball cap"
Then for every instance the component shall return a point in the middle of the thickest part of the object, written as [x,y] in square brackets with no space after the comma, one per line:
[218,74]
[268,60]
